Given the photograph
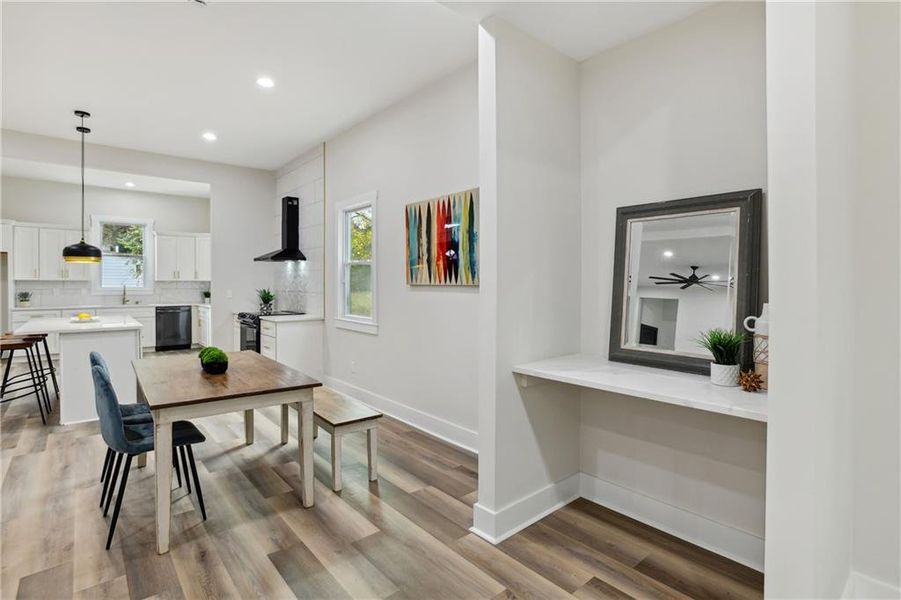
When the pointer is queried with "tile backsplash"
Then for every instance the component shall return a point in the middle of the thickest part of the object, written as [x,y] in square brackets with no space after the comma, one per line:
[75,293]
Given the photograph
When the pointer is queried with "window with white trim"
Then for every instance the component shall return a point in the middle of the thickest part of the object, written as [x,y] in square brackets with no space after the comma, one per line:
[127,254]
[356,252]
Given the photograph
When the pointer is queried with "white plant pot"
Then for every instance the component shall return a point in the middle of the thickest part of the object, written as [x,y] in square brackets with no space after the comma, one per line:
[724,375]
[24,303]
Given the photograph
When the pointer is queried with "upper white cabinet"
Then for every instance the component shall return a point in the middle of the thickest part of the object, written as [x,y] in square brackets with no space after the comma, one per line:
[6,237]
[182,257]
[204,258]
[27,252]
[39,254]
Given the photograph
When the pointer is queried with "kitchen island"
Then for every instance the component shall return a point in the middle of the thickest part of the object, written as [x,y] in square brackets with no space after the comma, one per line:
[117,338]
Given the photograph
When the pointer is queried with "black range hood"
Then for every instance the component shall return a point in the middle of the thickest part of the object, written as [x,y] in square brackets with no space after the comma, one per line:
[290,249]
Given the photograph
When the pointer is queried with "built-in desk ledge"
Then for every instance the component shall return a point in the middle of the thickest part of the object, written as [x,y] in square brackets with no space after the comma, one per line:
[670,387]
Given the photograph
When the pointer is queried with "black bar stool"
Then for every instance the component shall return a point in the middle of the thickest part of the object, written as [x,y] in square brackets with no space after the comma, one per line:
[41,341]
[33,381]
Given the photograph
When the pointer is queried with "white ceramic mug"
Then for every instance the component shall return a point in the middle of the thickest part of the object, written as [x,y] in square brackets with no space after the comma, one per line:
[761,324]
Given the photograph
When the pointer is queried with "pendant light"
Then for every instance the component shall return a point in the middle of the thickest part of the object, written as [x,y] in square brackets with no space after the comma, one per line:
[82,252]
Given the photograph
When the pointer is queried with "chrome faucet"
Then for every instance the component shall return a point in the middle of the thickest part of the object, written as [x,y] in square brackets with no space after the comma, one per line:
[125,299]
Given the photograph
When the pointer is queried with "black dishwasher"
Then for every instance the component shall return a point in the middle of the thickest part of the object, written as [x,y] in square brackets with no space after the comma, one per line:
[173,327]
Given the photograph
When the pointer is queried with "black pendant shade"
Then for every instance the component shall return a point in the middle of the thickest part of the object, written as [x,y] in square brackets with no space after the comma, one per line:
[82,252]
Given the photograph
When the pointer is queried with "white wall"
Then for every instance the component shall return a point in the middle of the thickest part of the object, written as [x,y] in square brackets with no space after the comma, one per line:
[59,203]
[299,285]
[698,310]
[676,113]
[420,367]
[529,147]
[239,215]
[832,465]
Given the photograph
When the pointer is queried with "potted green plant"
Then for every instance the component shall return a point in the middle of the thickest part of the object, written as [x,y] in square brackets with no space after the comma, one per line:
[206,296]
[726,347]
[266,299]
[24,299]
[213,360]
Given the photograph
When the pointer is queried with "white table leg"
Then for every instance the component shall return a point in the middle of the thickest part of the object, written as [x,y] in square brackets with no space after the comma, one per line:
[162,439]
[336,461]
[142,460]
[285,424]
[305,439]
[248,426]
[372,450]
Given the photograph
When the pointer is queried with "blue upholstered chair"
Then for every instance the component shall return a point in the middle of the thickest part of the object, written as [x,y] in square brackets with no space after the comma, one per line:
[132,440]
[131,414]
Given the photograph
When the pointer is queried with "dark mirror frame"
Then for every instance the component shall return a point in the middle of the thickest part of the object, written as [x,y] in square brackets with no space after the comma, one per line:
[747,280]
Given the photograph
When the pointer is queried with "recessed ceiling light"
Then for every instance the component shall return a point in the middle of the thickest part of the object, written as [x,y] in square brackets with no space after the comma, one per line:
[209,136]
[715,277]
[667,253]
[265,82]
[129,184]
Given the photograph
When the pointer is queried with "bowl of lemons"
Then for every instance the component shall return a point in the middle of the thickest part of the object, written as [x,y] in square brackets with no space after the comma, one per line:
[84,317]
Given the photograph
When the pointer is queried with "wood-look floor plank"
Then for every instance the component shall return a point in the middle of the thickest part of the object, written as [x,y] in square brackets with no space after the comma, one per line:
[596,589]
[305,575]
[113,588]
[55,582]
[453,509]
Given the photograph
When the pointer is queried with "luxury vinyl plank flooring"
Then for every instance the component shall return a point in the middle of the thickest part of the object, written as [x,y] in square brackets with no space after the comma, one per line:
[403,537]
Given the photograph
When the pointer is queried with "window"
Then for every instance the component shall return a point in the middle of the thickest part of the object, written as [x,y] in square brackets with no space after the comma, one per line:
[126,248]
[356,251]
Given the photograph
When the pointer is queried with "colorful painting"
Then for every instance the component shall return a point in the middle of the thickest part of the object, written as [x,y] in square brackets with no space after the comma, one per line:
[443,240]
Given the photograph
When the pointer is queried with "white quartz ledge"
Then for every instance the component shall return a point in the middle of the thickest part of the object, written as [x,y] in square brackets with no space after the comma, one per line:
[670,387]
[65,325]
[290,318]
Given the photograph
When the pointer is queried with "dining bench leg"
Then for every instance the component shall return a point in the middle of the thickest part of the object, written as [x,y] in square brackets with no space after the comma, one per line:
[305,439]
[336,461]
[285,424]
[248,426]
[162,444]
[372,451]
[142,460]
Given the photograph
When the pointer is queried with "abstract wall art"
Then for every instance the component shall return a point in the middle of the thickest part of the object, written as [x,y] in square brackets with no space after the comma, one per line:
[443,240]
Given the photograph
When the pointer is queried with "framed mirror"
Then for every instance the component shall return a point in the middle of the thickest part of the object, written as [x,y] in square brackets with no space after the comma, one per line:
[682,267]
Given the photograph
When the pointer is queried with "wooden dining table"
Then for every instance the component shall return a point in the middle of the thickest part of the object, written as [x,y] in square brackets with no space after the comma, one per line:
[176,388]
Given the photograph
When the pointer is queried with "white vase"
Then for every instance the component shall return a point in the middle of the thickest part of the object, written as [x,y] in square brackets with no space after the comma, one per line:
[724,375]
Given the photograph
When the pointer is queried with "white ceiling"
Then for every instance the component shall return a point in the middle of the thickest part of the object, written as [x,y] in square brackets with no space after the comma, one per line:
[15,167]
[156,75]
[582,29]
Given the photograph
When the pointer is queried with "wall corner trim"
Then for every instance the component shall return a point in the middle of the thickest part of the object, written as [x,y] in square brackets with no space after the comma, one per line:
[454,434]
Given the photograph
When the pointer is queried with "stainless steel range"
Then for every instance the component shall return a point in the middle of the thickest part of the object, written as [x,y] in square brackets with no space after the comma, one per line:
[250,328]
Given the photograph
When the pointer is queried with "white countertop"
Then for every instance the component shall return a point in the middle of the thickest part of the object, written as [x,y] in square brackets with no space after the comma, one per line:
[290,318]
[65,325]
[97,306]
[670,387]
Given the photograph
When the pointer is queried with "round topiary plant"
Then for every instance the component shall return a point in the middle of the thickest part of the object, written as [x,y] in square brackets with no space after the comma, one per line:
[213,360]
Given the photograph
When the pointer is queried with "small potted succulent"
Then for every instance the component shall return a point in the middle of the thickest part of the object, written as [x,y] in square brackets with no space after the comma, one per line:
[213,360]
[266,298]
[24,299]
[726,347]
[206,296]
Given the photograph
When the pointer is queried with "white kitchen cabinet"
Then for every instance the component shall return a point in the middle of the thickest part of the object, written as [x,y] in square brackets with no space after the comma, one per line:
[166,258]
[186,257]
[294,343]
[203,258]
[27,253]
[50,254]
[204,326]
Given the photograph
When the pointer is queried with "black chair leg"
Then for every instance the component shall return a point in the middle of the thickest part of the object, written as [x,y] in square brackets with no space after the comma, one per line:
[112,525]
[34,383]
[9,362]
[40,363]
[112,484]
[50,366]
[177,469]
[196,482]
[106,461]
[184,467]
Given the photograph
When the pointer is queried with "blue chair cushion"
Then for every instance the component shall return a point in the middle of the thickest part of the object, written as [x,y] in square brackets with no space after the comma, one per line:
[133,414]
[140,436]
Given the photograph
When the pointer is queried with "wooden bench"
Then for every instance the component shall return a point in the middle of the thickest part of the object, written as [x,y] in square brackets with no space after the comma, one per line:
[340,415]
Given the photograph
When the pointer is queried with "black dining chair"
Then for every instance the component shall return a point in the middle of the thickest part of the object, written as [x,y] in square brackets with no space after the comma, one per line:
[132,440]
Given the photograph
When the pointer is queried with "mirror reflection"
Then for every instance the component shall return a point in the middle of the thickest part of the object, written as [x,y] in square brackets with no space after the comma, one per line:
[680,280]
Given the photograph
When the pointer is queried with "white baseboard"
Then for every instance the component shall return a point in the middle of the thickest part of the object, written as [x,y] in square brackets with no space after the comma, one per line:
[461,437]
[740,546]
[864,587]
[496,526]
